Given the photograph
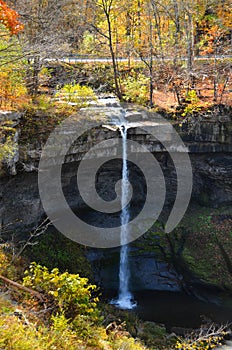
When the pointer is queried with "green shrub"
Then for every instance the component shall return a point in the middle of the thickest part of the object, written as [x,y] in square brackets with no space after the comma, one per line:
[75,93]
[127,344]
[194,104]
[7,149]
[15,335]
[71,293]
[135,89]
[7,143]
[42,103]
[54,249]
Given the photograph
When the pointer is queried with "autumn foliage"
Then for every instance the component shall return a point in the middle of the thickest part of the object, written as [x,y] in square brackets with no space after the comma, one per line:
[9,18]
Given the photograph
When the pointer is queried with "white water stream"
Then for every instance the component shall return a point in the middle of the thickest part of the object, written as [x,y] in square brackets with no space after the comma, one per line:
[125,298]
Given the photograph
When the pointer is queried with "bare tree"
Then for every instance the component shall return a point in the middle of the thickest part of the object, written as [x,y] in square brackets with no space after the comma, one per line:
[209,334]
[145,48]
[31,240]
[106,7]
[51,28]
[17,248]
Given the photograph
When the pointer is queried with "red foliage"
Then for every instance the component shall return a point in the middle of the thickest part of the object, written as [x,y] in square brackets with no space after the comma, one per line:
[9,18]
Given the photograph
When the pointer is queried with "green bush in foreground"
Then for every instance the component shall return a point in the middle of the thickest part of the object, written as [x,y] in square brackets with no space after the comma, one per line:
[75,314]
[15,334]
[68,318]
[71,293]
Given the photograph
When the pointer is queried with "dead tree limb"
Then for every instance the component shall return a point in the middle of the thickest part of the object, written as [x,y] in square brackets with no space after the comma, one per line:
[23,288]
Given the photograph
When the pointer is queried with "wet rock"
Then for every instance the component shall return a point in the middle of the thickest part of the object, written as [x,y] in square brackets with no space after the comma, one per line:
[146,272]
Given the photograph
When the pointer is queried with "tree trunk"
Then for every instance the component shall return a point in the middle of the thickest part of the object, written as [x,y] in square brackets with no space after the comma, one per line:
[151,105]
[190,53]
[151,65]
[33,75]
[115,69]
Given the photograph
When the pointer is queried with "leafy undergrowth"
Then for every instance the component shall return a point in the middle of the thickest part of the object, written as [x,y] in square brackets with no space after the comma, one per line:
[208,249]
[63,314]
[45,111]
[49,309]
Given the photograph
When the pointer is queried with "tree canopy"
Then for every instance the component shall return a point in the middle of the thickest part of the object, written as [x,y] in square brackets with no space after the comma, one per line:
[9,18]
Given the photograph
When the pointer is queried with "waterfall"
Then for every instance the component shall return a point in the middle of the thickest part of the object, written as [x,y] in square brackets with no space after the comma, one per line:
[125,298]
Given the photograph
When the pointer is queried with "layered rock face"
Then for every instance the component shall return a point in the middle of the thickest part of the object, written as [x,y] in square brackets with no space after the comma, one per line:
[209,141]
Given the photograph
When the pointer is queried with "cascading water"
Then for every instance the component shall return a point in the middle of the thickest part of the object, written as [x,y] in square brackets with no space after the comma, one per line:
[125,298]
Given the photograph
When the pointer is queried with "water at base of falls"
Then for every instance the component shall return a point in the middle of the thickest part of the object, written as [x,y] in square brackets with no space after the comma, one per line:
[125,298]
[125,302]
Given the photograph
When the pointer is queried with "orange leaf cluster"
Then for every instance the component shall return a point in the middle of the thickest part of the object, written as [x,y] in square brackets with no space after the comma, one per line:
[9,18]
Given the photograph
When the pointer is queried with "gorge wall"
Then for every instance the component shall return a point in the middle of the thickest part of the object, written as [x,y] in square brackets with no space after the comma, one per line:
[209,140]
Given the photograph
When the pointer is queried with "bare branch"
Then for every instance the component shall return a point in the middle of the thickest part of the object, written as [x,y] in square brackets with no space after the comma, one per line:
[211,334]
[39,230]
[21,287]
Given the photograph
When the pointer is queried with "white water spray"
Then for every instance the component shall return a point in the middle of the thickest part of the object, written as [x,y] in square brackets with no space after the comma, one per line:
[125,298]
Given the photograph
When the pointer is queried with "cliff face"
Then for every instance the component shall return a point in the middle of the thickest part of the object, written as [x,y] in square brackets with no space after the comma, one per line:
[208,139]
